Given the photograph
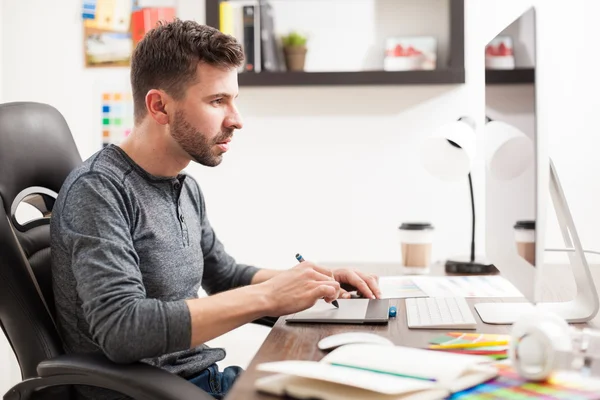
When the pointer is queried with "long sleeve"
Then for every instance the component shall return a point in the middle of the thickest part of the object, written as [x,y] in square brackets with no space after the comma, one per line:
[95,226]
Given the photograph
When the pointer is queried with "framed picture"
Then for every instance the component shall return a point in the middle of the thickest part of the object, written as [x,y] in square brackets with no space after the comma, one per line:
[410,53]
[499,53]
[108,49]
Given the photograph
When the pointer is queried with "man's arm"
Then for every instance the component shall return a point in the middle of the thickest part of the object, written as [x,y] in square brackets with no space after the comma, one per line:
[263,275]
[284,293]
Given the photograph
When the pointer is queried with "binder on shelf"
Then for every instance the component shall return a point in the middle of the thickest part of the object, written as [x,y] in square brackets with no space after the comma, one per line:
[272,53]
[145,19]
[251,43]
[243,20]
[226,18]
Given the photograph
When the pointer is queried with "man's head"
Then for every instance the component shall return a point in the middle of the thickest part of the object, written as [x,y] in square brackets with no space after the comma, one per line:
[184,77]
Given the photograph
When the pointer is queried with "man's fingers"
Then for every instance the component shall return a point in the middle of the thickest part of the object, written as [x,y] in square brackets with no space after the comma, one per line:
[318,276]
[325,290]
[323,271]
[345,294]
[359,283]
[373,282]
[333,290]
[334,284]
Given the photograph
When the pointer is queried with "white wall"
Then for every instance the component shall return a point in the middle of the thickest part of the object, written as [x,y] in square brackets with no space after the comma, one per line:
[331,172]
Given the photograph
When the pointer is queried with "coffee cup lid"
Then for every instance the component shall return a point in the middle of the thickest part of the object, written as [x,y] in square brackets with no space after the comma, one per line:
[415,226]
[529,225]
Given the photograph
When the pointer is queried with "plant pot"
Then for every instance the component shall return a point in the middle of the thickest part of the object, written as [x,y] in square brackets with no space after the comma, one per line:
[295,57]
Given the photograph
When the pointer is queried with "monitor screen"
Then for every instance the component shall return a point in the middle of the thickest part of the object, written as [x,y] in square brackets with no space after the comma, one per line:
[510,143]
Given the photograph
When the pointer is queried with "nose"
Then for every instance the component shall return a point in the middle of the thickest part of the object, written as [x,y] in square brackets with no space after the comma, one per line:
[234,120]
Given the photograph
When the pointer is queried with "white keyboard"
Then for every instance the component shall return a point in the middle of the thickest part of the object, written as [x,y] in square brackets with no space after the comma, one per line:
[439,313]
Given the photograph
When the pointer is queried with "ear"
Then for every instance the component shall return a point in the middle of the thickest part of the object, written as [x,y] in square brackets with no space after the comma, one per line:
[156,101]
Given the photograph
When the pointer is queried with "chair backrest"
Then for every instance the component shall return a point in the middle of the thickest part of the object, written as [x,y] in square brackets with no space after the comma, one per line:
[37,152]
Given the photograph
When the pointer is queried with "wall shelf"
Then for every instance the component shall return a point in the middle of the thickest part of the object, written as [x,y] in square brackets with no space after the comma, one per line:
[452,73]
[509,76]
[351,78]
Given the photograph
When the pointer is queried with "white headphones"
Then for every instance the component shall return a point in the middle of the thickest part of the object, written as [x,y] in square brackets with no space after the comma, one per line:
[541,342]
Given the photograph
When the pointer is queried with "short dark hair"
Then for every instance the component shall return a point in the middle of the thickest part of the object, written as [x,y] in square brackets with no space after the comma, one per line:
[168,55]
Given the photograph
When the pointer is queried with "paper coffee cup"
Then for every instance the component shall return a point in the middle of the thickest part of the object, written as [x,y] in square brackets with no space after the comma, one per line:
[416,240]
[525,240]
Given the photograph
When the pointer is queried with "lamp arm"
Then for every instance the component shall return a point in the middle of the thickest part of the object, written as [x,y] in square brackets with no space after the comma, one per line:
[473,219]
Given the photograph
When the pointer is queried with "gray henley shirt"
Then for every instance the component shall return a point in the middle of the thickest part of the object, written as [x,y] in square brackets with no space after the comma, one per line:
[127,249]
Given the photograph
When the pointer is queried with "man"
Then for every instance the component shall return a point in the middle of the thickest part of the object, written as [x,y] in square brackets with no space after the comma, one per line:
[131,242]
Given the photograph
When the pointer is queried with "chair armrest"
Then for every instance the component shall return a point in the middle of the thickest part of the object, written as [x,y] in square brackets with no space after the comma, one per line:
[138,380]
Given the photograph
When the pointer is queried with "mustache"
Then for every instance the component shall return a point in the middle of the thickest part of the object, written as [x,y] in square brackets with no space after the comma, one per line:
[224,135]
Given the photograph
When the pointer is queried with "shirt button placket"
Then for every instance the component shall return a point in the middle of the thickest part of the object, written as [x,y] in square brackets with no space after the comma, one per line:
[184,233]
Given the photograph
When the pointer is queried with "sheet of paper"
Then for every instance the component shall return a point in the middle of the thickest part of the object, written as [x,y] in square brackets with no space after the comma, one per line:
[399,287]
[466,286]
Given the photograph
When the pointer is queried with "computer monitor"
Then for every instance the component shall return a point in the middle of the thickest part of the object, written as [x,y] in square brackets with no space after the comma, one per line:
[519,175]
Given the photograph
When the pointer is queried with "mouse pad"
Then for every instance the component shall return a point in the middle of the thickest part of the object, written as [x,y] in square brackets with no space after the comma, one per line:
[351,311]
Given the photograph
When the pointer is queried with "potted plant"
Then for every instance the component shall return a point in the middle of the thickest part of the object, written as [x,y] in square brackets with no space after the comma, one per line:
[294,48]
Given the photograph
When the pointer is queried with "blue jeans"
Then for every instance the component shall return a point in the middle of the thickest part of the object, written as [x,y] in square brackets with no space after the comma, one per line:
[216,383]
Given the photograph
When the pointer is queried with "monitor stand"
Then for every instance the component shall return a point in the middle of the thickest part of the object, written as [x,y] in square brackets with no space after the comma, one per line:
[584,306]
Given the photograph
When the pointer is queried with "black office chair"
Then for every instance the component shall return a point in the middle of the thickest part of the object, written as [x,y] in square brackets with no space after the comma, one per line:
[37,152]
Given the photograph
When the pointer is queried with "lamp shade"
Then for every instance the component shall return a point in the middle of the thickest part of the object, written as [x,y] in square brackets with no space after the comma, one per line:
[509,152]
[448,153]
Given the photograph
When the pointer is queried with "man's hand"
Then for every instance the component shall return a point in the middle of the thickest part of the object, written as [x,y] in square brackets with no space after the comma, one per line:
[366,284]
[299,288]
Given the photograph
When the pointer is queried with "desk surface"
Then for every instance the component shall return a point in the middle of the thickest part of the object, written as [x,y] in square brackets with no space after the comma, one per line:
[299,341]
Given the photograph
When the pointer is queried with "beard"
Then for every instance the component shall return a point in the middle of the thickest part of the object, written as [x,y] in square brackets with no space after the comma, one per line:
[195,143]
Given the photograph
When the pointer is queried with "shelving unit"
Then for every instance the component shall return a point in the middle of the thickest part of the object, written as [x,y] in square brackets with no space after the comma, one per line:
[453,73]
[351,78]
[510,76]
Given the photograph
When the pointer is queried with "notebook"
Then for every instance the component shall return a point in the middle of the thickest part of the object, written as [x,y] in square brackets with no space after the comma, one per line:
[371,371]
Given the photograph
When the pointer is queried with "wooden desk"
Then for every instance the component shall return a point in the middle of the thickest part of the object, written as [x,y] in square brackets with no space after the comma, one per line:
[299,341]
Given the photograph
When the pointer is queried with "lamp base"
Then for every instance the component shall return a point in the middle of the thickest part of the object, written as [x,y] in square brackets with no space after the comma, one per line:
[470,267]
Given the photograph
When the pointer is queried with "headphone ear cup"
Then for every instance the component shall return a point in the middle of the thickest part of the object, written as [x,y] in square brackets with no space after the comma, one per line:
[540,343]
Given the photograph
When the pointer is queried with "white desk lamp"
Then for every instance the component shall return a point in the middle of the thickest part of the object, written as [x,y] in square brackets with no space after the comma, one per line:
[448,154]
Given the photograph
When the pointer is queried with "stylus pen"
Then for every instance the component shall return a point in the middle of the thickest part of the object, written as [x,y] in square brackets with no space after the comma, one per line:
[300,259]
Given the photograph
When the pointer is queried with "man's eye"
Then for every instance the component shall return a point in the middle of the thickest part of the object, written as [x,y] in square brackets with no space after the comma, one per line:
[217,101]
